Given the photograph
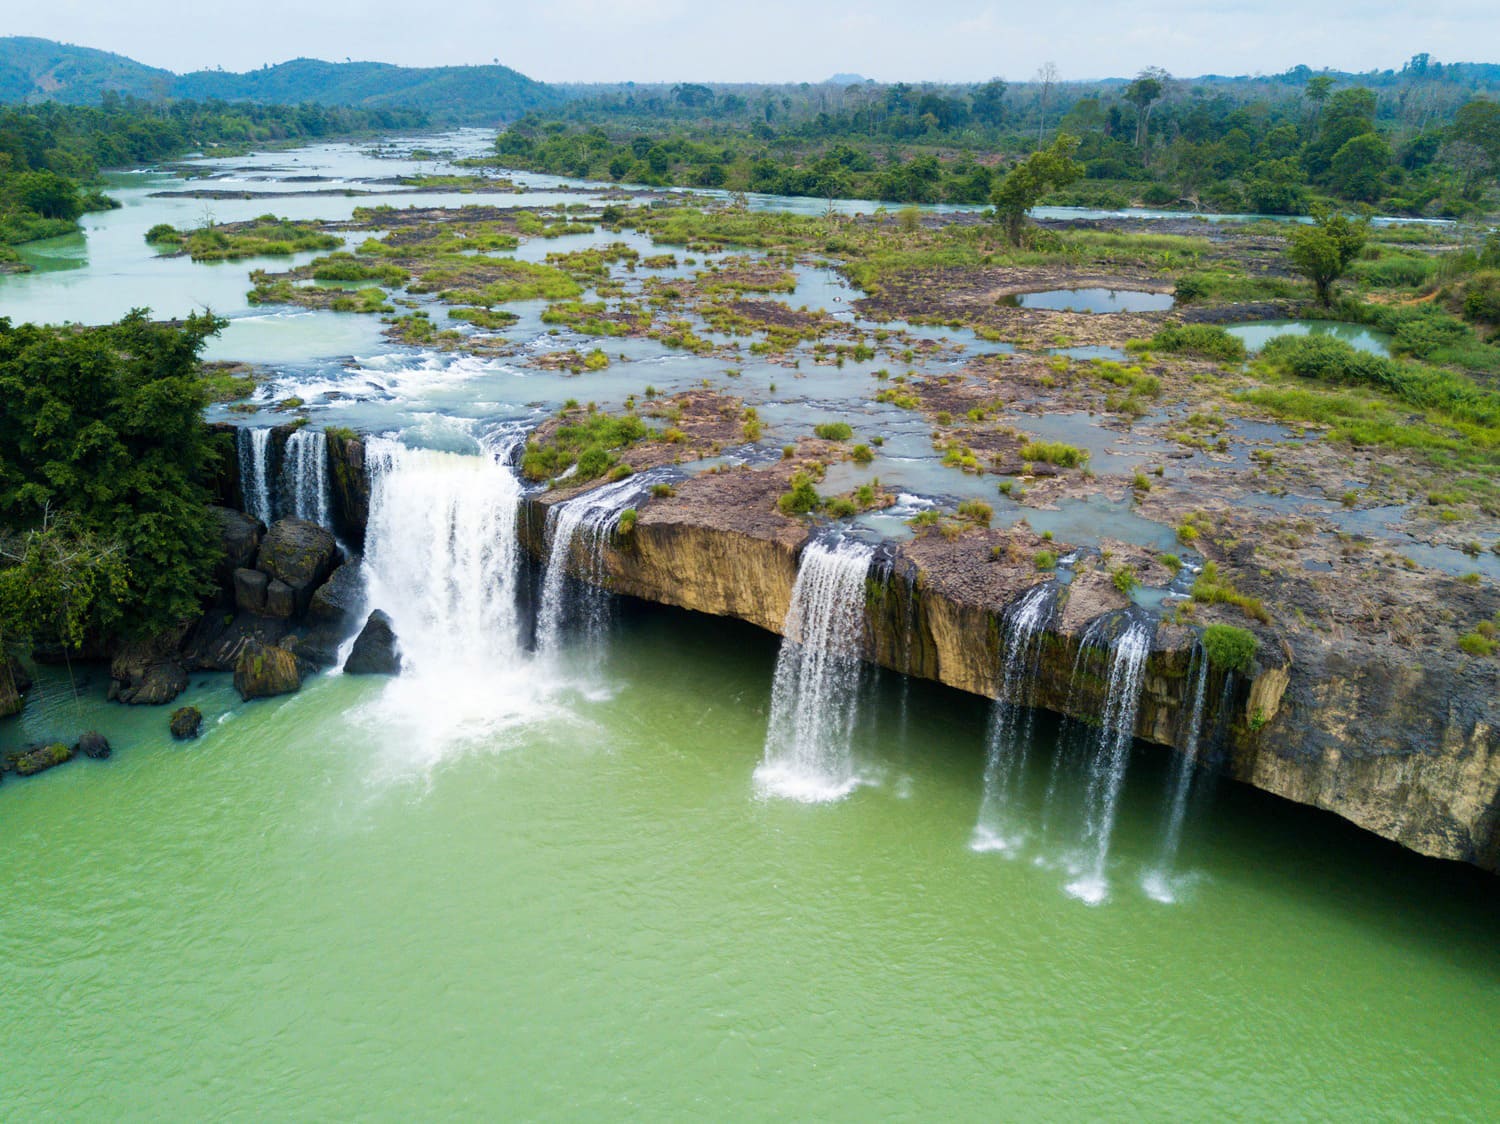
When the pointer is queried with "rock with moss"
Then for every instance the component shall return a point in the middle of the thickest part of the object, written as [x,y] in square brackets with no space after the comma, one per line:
[375,652]
[186,722]
[39,758]
[300,554]
[264,671]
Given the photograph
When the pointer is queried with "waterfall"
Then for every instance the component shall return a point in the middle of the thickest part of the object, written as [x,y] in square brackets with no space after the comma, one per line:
[1127,665]
[443,559]
[304,475]
[815,693]
[442,552]
[1011,715]
[254,449]
[587,520]
[1157,882]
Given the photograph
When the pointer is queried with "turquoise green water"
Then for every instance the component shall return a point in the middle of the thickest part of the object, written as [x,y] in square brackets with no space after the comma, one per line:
[313,912]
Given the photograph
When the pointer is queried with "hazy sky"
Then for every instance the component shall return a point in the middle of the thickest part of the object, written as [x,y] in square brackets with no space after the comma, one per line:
[778,40]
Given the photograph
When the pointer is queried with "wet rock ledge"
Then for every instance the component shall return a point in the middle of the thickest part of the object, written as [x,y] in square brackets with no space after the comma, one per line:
[1405,750]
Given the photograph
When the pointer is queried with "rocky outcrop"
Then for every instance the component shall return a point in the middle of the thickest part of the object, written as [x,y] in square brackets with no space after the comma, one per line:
[149,672]
[348,488]
[1409,752]
[338,600]
[186,722]
[264,671]
[298,554]
[375,651]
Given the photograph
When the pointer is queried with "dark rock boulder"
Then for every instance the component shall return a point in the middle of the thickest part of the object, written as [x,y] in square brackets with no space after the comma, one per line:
[186,722]
[148,672]
[338,599]
[93,745]
[250,590]
[281,601]
[264,671]
[239,540]
[299,553]
[375,652]
[14,683]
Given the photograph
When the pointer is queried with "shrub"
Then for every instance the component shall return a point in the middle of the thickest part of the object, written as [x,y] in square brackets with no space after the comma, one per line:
[1044,560]
[1228,647]
[627,521]
[1054,452]
[834,431]
[861,454]
[976,511]
[802,498]
[1206,340]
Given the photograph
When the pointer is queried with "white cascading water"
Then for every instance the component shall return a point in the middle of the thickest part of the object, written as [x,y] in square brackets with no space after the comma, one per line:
[1158,881]
[815,693]
[254,449]
[1011,720]
[1127,665]
[587,521]
[304,475]
[442,558]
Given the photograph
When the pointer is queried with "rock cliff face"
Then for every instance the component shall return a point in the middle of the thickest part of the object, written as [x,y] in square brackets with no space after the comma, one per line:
[1407,753]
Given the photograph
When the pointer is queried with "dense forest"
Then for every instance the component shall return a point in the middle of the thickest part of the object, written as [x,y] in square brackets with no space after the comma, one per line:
[50,153]
[1421,141]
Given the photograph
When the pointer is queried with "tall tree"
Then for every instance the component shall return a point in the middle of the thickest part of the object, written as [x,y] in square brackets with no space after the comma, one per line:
[1046,77]
[1143,93]
[1025,184]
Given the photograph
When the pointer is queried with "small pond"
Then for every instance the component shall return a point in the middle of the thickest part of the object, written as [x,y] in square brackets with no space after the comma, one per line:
[1090,300]
[1256,335]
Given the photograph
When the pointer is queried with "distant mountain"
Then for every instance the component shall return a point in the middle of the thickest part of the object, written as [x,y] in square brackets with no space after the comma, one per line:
[33,70]
[846,80]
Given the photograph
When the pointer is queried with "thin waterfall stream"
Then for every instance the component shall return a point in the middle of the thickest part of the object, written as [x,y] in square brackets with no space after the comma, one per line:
[304,475]
[1157,882]
[815,691]
[254,449]
[1127,664]
[587,521]
[1010,725]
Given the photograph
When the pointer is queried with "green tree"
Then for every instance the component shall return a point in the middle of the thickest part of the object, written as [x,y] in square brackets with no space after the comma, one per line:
[989,102]
[1323,251]
[1317,90]
[58,582]
[1025,184]
[1358,166]
[1143,93]
[103,427]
